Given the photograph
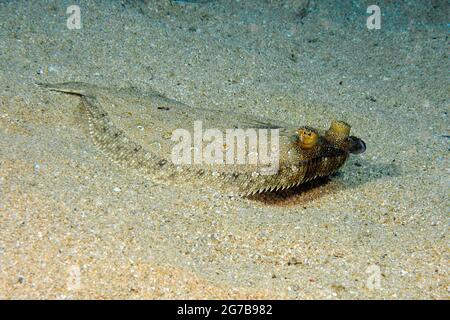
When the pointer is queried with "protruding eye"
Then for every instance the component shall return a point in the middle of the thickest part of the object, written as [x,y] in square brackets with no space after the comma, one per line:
[339,130]
[307,138]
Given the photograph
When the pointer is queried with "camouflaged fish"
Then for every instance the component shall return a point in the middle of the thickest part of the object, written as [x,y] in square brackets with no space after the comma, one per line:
[136,129]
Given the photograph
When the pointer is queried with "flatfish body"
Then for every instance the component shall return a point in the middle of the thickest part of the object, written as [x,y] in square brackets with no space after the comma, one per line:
[175,143]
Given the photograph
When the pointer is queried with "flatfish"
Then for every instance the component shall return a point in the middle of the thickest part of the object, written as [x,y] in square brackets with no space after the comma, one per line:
[235,153]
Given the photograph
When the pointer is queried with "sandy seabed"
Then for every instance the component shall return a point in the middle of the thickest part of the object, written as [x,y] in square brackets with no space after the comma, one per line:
[75,225]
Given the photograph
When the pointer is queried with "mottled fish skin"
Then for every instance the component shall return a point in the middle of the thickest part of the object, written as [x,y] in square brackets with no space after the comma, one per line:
[134,129]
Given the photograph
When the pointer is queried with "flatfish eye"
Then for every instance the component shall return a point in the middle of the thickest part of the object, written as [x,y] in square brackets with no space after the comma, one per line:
[308,138]
[339,131]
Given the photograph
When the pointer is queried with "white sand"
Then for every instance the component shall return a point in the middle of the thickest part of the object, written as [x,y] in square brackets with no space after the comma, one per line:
[74,225]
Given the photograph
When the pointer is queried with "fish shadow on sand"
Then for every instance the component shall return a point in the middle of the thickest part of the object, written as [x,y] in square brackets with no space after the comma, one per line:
[357,173]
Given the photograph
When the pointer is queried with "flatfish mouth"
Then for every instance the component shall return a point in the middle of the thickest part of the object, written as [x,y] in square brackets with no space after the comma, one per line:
[144,129]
